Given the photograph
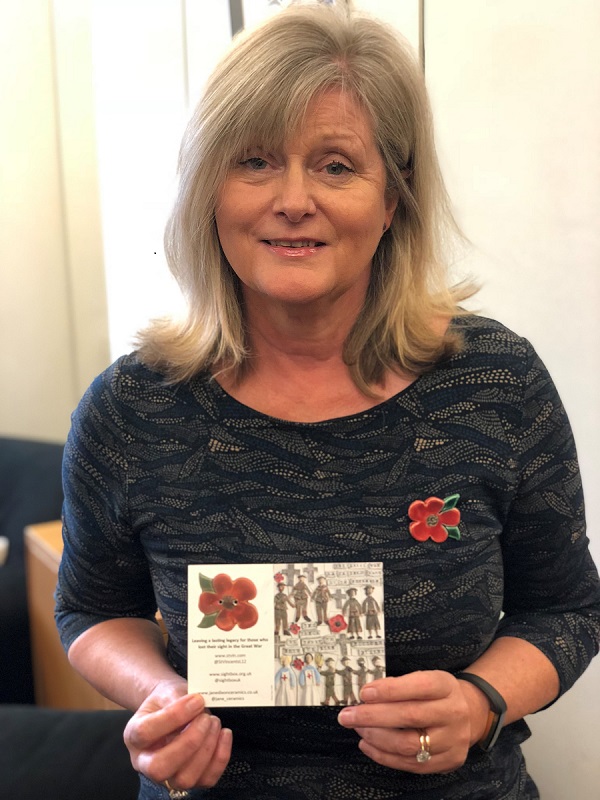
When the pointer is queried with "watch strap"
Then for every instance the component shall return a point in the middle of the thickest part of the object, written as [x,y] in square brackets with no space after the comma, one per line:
[497,709]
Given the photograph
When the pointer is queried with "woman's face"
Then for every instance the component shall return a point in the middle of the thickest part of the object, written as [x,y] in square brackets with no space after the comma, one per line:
[301,225]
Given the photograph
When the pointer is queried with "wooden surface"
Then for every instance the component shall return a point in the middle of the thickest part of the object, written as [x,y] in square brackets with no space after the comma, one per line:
[57,685]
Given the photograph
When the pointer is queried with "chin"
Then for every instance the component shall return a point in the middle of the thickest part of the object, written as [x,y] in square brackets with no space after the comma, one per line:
[297,293]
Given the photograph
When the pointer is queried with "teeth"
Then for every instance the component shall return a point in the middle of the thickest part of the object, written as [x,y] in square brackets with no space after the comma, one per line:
[286,243]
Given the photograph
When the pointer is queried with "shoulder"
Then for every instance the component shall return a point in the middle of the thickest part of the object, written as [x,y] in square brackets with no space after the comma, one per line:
[124,376]
[482,335]
[130,390]
[128,378]
[130,412]
[495,371]
[491,353]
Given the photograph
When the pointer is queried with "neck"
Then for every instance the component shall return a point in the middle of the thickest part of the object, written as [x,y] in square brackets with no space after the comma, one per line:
[296,369]
[299,334]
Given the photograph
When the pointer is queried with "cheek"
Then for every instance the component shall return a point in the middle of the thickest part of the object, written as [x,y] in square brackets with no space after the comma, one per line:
[364,221]
[225,217]
[230,230]
[231,215]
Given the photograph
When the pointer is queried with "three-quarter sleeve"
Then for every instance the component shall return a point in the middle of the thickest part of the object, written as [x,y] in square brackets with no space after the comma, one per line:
[104,572]
[552,592]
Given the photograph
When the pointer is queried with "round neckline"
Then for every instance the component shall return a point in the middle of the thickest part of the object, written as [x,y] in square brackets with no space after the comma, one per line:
[251,412]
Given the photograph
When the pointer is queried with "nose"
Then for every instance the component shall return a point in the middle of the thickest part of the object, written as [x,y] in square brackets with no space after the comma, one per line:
[294,197]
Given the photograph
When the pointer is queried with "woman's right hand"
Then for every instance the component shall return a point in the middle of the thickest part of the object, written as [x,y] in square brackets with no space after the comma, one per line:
[173,737]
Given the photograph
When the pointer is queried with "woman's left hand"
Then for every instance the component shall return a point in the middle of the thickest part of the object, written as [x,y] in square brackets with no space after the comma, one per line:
[396,711]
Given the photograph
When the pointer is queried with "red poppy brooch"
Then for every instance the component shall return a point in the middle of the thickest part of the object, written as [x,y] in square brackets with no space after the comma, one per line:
[434,519]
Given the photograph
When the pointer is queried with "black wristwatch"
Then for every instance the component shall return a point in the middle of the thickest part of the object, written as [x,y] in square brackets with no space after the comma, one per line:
[497,709]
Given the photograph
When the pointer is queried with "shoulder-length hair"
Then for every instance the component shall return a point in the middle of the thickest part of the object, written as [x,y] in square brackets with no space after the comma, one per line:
[257,96]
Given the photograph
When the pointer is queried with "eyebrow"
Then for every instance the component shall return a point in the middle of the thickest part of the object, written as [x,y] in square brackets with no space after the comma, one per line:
[334,139]
[336,136]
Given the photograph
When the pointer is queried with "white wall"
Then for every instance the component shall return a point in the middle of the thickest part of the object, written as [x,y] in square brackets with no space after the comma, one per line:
[150,62]
[404,15]
[52,302]
[515,86]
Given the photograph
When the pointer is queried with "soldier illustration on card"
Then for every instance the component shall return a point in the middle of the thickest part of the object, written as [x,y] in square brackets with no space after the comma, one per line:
[321,597]
[371,610]
[352,611]
[302,595]
[329,674]
[281,602]
[347,674]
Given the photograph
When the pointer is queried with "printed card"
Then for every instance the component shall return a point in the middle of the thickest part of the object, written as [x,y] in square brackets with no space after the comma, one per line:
[284,634]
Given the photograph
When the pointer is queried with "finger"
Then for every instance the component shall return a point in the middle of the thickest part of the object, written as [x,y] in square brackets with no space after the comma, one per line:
[219,760]
[424,685]
[183,757]
[407,714]
[205,756]
[445,761]
[407,763]
[147,728]
[447,749]
[393,742]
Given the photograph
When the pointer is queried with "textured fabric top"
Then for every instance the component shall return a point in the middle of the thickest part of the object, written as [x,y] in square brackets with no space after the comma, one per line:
[157,477]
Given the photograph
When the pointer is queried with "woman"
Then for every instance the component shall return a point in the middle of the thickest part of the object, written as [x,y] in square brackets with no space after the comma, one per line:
[285,683]
[309,680]
[326,399]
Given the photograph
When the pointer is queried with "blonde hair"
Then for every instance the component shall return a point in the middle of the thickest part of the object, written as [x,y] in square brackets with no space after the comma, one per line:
[257,95]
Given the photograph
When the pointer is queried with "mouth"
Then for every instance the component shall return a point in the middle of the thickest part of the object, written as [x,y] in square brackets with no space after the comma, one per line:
[294,243]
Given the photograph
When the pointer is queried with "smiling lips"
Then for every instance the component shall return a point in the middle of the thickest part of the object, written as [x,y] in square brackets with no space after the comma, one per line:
[296,243]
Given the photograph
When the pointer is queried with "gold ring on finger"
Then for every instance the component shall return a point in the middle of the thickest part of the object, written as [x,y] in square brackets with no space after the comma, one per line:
[176,794]
[423,754]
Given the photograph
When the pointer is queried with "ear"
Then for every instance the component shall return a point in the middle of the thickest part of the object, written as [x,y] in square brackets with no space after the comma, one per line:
[391,204]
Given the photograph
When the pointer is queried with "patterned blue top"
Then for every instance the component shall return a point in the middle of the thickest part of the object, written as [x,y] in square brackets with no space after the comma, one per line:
[157,477]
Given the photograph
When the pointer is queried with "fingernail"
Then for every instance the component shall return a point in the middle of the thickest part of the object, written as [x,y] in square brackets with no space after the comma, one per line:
[368,694]
[346,716]
[204,723]
[195,702]
[215,724]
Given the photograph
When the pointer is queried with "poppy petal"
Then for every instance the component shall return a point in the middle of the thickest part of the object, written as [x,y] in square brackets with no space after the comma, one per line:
[243,589]
[419,531]
[439,533]
[434,505]
[225,621]
[246,615]
[222,584]
[451,517]
[209,603]
[417,510]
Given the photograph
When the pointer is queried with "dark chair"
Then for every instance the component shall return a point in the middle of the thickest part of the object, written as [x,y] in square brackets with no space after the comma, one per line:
[30,492]
[47,754]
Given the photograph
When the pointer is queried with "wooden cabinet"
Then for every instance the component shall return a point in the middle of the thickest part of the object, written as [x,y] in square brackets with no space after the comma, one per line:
[57,685]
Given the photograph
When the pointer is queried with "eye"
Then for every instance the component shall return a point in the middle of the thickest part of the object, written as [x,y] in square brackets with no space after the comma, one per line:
[254,163]
[337,168]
